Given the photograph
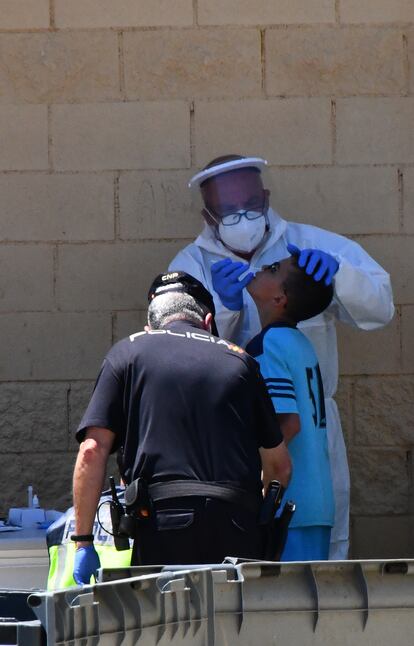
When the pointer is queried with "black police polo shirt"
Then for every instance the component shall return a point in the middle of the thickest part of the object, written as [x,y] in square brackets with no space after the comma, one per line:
[184,404]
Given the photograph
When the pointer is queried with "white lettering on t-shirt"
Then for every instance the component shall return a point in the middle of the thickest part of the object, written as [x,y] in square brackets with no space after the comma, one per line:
[223,342]
[182,334]
[197,336]
[200,337]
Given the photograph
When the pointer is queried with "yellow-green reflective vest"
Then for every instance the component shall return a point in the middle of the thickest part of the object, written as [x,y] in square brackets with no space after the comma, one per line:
[62,549]
[62,558]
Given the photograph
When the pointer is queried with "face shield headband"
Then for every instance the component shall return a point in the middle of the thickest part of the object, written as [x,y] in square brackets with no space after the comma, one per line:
[225,167]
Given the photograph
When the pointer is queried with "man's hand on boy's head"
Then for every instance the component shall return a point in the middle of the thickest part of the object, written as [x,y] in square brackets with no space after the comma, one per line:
[317,263]
[225,276]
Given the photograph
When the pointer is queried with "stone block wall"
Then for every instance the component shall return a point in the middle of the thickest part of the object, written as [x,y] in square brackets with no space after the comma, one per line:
[106,109]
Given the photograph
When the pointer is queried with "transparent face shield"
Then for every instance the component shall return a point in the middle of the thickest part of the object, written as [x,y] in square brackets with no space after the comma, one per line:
[234,199]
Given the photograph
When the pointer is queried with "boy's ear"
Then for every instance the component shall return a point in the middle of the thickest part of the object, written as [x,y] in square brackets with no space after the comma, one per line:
[280,300]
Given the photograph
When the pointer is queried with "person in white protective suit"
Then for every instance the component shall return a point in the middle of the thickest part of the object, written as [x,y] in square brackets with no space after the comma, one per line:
[241,226]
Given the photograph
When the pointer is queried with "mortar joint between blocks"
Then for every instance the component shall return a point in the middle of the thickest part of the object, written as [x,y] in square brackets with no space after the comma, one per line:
[333,130]
[117,208]
[52,23]
[192,134]
[121,65]
[337,12]
[263,60]
[49,139]
[400,181]
[406,64]
[55,269]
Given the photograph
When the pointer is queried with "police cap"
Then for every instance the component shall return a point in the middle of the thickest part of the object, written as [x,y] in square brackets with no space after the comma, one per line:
[180,281]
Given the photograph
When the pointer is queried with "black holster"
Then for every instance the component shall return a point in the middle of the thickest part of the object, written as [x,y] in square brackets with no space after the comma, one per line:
[275,529]
[138,507]
[121,540]
[282,528]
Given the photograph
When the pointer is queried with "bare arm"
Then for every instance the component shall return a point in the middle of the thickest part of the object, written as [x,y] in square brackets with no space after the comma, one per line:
[289,425]
[88,477]
[276,465]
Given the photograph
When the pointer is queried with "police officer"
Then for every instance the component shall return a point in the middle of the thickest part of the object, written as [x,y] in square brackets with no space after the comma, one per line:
[197,426]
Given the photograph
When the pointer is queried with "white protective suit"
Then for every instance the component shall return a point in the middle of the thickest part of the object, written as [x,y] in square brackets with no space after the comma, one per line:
[362,298]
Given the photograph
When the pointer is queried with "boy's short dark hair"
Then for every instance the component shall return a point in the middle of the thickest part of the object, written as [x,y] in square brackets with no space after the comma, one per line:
[305,297]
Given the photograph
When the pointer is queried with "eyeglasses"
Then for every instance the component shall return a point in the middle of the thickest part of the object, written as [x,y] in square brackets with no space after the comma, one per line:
[273,268]
[234,218]
[228,217]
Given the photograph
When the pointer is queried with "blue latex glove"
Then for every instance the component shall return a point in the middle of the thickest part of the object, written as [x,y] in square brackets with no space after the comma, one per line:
[319,264]
[225,275]
[86,564]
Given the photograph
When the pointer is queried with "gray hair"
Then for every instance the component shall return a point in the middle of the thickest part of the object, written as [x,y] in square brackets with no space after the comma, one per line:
[174,306]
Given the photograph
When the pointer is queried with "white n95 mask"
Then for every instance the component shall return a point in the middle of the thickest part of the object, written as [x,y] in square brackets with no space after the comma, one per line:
[246,235]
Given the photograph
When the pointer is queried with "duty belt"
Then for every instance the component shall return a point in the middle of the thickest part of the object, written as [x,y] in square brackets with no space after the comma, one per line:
[184,488]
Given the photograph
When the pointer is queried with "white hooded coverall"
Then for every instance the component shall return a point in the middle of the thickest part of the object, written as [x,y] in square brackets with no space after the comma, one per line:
[362,298]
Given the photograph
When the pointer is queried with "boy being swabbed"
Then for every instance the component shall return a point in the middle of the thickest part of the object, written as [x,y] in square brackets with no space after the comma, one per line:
[284,295]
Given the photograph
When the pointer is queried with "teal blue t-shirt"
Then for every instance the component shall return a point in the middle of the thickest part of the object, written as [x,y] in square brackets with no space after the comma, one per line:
[291,371]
